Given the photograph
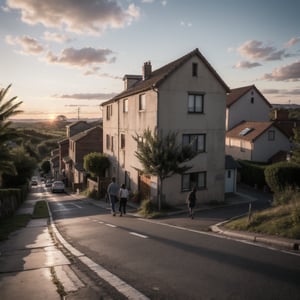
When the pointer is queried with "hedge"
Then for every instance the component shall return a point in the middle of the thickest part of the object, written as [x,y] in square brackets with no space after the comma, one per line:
[281,175]
[252,173]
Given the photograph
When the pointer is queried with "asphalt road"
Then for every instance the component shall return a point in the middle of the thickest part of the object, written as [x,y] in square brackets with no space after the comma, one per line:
[176,258]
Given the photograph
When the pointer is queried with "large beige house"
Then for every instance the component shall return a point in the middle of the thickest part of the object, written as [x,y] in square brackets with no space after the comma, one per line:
[186,96]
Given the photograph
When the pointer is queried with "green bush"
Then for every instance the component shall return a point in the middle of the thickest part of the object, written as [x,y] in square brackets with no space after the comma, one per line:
[281,175]
[252,173]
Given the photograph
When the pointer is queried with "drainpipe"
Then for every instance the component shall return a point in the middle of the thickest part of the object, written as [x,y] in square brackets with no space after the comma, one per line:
[155,89]
[118,148]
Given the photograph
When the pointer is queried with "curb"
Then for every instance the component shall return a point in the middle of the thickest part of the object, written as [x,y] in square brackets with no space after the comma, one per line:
[257,238]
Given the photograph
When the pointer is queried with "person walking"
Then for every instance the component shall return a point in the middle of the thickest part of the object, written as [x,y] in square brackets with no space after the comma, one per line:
[191,202]
[123,195]
[112,192]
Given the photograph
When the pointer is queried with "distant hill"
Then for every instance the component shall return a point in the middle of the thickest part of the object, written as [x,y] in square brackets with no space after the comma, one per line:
[286,106]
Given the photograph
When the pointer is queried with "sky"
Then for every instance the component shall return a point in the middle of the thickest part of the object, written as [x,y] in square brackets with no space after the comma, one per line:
[65,57]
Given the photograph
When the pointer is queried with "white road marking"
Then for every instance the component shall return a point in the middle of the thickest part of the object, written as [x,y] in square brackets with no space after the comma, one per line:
[110,225]
[139,235]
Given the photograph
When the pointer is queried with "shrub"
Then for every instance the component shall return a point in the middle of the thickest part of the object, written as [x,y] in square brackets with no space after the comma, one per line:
[252,173]
[283,174]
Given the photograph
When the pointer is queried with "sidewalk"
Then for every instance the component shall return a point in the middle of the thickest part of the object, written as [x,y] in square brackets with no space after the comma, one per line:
[30,263]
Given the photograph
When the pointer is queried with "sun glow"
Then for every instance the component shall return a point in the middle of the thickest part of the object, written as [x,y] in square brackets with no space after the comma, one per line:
[51,118]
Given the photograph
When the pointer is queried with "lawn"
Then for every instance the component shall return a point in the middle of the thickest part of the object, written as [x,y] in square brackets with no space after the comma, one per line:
[282,220]
[13,223]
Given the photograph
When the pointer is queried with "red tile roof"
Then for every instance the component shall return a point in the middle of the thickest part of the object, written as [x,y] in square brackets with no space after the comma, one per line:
[257,129]
[158,76]
[236,94]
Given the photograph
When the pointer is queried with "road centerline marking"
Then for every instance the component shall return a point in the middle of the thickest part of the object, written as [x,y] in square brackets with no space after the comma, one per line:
[138,235]
[110,225]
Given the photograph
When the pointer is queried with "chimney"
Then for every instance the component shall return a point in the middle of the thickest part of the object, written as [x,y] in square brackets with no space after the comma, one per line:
[147,70]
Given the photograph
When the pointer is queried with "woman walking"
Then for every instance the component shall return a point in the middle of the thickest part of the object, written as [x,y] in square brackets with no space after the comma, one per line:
[191,202]
[123,195]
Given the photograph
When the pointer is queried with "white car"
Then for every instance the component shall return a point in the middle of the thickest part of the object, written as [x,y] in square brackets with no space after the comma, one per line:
[58,186]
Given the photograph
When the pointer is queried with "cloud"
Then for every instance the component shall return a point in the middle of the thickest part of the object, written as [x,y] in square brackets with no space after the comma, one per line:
[88,96]
[88,17]
[282,91]
[28,44]
[186,24]
[246,65]
[56,37]
[255,50]
[289,72]
[81,57]
[293,41]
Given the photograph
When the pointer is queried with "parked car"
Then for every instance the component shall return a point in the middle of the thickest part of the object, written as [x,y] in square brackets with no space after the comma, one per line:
[58,186]
[48,183]
[34,180]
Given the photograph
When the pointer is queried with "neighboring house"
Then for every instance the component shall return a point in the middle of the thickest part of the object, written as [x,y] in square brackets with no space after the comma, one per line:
[54,163]
[63,147]
[81,144]
[186,96]
[246,104]
[231,174]
[76,127]
[256,141]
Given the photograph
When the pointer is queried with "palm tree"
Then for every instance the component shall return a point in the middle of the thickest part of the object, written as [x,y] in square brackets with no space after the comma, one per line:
[7,109]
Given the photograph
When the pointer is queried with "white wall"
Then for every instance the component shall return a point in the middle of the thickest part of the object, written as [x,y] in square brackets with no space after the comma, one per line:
[245,110]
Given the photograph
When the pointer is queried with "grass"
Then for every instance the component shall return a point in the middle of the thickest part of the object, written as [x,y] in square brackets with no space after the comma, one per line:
[15,222]
[150,210]
[282,220]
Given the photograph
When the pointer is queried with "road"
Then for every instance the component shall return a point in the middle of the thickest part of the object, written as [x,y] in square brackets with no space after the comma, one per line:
[173,259]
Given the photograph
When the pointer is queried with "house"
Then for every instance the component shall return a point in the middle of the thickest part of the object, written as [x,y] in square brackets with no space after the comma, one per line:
[186,96]
[256,141]
[63,152]
[76,127]
[246,104]
[81,144]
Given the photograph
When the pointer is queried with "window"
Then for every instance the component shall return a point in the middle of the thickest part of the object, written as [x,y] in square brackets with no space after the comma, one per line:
[195,69]
[191,180]
[125,105]
[195,103]
[271,135]
[122,141]
[198,141]
[108,112]
[142,102]
[107,142]
[112,144]
[252,100]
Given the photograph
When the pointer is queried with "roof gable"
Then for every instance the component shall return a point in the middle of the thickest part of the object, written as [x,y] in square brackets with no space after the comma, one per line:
[84,133]
[236,94]
[158,76]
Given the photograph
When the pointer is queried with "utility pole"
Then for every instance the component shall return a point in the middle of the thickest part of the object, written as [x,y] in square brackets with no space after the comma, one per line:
[78,112]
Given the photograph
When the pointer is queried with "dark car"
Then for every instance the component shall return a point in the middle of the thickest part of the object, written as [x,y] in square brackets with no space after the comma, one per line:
[34,181]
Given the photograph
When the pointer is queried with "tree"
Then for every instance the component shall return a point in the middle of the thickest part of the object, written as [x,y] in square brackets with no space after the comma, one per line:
[7,109]
[160,156]
[296,150]
[96,163]
[45,166]
[25,166]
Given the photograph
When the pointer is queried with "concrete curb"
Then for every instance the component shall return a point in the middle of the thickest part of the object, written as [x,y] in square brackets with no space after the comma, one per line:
[257,238]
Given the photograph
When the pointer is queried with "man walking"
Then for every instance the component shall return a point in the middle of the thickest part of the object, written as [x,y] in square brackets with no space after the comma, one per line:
[112,192]
[191,202]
